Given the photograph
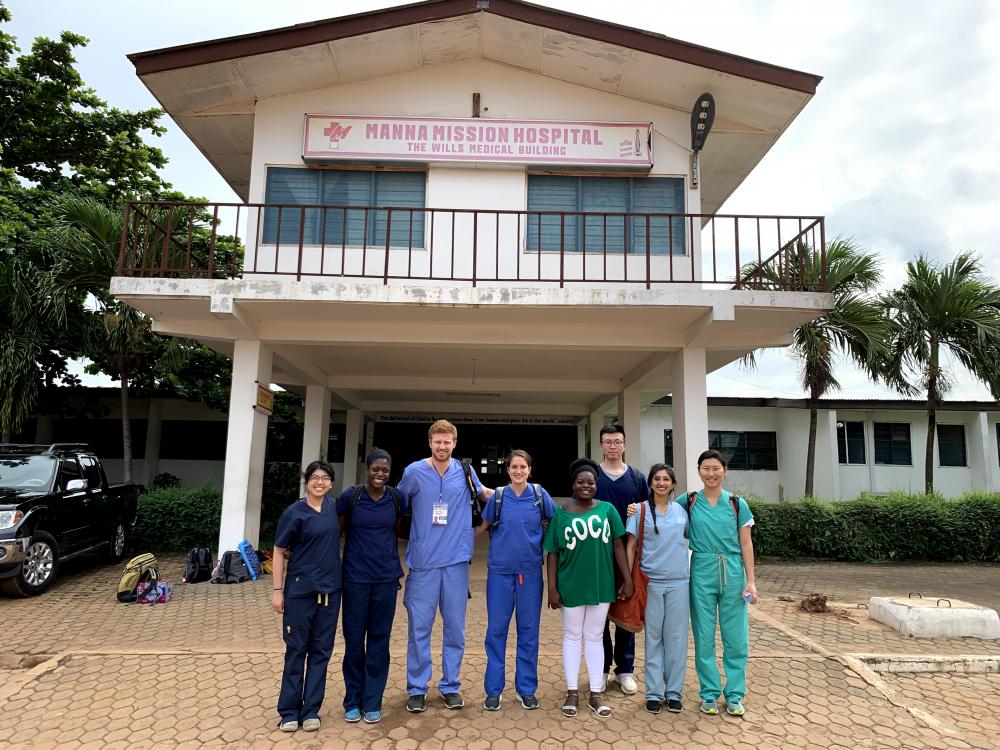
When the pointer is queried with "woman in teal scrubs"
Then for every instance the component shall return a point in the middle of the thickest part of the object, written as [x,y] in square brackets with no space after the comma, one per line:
[722,584]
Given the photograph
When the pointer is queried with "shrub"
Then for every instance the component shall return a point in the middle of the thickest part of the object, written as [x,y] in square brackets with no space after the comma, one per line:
[166,479]
[877,528]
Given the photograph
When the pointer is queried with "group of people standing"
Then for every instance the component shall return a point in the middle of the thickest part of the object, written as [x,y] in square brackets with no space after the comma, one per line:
[588,541]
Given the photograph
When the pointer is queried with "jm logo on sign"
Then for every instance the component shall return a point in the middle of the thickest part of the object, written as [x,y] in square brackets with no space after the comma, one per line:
[593,527]
[336,132]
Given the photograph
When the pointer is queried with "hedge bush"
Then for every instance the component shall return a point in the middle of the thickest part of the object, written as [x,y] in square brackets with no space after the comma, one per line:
[879,528]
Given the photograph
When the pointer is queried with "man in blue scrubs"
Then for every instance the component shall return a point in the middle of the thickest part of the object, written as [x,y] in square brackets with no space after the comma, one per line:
[438,555]
[621,485]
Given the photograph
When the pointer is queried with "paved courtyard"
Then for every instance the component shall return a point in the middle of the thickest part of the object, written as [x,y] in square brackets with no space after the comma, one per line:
[79,670]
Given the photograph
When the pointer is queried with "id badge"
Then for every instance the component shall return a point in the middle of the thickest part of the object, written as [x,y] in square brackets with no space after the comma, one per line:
[440,515]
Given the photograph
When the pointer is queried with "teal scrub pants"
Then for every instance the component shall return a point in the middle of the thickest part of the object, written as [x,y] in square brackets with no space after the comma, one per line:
[717,583]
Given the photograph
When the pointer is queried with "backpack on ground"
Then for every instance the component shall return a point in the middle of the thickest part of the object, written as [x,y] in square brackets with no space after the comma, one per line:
[536,490]
[199,565]
[154,592]
[140,569]
[232,568]
[250,558]
[403,519]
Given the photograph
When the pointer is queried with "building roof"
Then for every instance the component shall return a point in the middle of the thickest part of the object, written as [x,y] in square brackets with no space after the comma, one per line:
[845,404]
[210,88]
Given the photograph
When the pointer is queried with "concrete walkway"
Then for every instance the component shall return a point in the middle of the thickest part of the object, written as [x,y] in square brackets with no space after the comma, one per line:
[79,670]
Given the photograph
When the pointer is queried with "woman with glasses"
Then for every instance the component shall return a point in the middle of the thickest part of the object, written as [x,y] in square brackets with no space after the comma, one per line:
[307,595]
[370,515]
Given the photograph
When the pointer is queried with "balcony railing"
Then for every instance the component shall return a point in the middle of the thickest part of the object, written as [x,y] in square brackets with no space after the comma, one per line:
[399,245]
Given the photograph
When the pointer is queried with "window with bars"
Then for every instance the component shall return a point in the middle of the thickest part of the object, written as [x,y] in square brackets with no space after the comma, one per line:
[610,229]
[892,443]
[851,442]
[951,445]
[746,451]
[343,225]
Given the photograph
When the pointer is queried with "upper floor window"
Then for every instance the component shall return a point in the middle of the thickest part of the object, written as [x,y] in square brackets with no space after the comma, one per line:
[343,225]
[610,230]
[851,442]
[951,445]
[892,443]
[753,451]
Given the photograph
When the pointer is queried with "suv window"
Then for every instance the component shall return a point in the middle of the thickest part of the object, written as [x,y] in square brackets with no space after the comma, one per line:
[68,469]
[91,472]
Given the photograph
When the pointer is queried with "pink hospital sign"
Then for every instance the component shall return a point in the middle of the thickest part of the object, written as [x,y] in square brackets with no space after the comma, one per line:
[424,139]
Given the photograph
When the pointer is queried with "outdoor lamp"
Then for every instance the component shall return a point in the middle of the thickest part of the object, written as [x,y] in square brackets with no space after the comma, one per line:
[702,117]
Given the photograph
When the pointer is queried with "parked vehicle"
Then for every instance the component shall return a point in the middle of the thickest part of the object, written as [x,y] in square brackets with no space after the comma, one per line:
[56,504]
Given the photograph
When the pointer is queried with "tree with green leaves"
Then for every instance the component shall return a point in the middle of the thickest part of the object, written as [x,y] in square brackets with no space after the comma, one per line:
[855,328]
[56,137]
[953,307]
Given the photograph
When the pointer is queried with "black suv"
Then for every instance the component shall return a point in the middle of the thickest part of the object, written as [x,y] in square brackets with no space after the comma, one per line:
[56,504]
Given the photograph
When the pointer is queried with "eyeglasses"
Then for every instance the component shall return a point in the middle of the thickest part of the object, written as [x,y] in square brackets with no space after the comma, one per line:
[613,443]
[321,480]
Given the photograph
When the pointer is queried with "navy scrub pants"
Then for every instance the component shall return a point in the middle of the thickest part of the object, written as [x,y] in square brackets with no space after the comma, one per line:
[369,609]
[308,628]
[623,650]
[506,594]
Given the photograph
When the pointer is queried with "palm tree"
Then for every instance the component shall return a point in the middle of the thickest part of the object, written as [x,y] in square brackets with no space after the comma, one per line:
[855,326]
[955,308]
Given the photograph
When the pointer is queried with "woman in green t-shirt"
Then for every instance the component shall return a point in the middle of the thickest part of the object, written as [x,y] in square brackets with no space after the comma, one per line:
[584,542]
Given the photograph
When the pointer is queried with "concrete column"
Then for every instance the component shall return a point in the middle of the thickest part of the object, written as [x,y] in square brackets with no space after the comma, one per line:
[689,415]
[351,440]
[246,440]
[316,427]
[826,476]
[596,422]
[154,426]
[983,464]
[45,429]
[628,417]
[581,438]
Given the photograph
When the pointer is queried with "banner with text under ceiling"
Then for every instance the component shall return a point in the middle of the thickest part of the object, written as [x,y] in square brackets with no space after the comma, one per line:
[608,145]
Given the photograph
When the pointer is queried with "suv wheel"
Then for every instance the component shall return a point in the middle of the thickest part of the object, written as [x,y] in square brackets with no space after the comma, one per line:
[117,538]
[38,570]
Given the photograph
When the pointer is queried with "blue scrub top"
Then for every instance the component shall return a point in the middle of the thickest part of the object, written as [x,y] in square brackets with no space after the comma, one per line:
[370,551]
[516,542]
[313,538]
[441,545]
[623,491]
[664,555]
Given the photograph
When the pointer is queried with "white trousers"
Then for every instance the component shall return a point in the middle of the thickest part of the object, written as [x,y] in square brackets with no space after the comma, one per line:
[584,626]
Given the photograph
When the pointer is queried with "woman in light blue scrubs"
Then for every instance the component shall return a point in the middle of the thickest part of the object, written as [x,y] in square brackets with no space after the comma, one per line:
[664,558]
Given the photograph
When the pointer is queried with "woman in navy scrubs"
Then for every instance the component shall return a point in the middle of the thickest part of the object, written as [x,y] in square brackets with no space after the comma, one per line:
[369,515]
[307,596]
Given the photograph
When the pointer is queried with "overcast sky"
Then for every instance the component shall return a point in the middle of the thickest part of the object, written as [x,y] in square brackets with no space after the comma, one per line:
[899,149]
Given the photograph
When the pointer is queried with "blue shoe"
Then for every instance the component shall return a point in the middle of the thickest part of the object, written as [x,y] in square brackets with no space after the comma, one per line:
[352,715]
[373,717]
[735,708]
[710,707]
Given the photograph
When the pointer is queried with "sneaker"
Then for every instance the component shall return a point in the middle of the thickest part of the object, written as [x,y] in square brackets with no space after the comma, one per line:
[288,726]
[416,704]
[310,725]
[373,717]
[452,700]
[653,705]
[627,683]
[674,706]
[352,715]
[709,707]
[529,702]
[735,708]
[492,703]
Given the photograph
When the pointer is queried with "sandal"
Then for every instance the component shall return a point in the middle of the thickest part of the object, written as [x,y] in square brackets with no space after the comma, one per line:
[571,703]
[602,710]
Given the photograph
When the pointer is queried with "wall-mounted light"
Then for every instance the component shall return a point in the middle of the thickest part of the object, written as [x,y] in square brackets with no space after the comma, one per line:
[702,117]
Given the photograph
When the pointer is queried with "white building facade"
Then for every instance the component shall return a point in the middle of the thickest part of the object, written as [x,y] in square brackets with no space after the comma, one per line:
[547,251]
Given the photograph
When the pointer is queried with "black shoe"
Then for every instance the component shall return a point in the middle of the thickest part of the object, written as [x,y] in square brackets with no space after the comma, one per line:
[452,700]
[416,704]
[653,706]
[492,703]
[530,702]
[674,706]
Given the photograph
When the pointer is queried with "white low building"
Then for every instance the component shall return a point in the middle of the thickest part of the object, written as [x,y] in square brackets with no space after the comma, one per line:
[485,210]
[863,446]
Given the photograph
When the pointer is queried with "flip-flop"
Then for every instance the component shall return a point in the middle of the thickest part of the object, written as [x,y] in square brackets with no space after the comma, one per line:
[569,709]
